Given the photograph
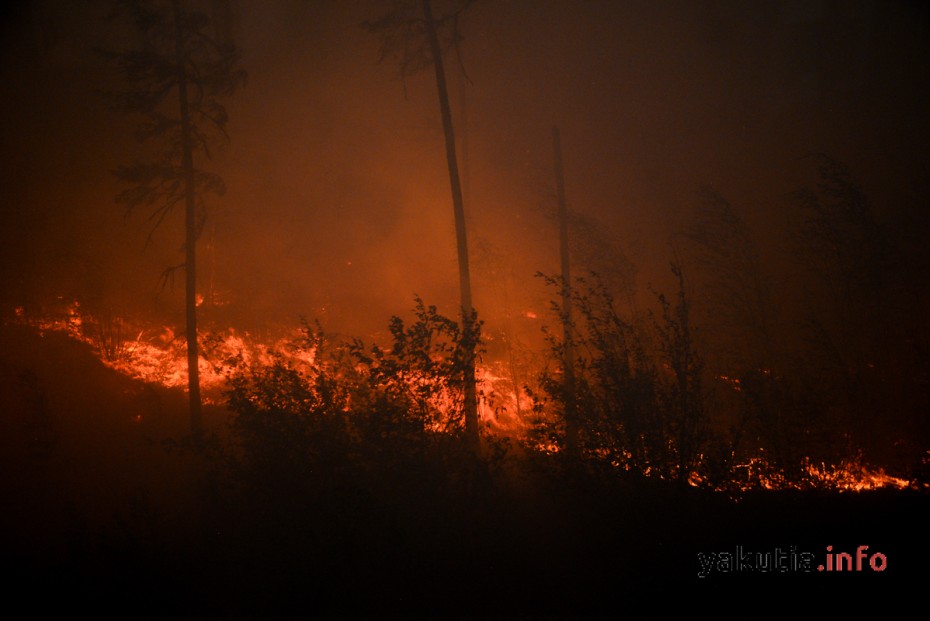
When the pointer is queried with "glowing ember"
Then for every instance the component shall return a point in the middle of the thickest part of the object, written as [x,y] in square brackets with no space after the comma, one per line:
[734,382]
[848,476]
[854,476]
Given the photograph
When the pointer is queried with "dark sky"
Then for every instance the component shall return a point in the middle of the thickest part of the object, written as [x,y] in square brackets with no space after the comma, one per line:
[338,203]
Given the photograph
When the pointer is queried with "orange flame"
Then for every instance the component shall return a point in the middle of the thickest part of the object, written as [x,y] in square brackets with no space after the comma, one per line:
[158,355]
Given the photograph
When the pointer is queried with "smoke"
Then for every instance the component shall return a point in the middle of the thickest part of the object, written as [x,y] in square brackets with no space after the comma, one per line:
[337,203]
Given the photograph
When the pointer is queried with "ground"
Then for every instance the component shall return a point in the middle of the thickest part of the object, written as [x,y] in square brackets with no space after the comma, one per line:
[106,511]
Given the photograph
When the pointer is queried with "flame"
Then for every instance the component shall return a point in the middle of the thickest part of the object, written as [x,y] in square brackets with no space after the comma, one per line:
[158,355]
[855,476]
[850,475]
[500,399]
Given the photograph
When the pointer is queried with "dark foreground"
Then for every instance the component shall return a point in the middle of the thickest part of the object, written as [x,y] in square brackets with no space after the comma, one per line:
[102,516]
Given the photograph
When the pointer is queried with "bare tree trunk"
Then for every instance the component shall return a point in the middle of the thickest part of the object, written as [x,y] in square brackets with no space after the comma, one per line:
[471,396]
[571,415]
[190,228]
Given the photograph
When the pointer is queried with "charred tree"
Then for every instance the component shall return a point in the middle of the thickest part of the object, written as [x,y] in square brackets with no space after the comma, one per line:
[413,36]
[175,82]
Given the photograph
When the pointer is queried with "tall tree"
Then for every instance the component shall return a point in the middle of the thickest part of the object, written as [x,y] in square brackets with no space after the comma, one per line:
[417,39]
[571,419]
[175,82]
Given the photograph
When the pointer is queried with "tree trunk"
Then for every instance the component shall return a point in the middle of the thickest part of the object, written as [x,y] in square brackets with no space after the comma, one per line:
[568,368]
[471,397]
[190,229]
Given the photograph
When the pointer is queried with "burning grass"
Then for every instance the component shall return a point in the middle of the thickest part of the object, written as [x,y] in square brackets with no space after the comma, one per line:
[414,377]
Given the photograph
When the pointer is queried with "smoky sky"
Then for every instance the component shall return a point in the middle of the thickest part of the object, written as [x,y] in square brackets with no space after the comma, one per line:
[338,204]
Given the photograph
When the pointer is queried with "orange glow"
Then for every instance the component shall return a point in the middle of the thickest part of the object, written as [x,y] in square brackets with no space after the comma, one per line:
[157,355]
[850,475]
[854,476]
[733,382]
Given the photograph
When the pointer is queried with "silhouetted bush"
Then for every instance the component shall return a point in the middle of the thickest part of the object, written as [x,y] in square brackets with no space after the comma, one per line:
[352,412]
[637,387]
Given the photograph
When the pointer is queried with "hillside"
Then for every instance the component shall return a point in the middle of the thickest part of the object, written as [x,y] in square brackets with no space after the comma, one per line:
[102,514]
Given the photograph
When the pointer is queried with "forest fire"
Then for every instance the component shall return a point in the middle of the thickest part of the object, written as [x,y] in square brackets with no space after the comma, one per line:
[156,355]
[850,475]
[670,282]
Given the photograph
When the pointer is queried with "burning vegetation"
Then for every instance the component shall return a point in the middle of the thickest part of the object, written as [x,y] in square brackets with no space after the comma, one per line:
[329,465]
[512,445]
[638,390]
